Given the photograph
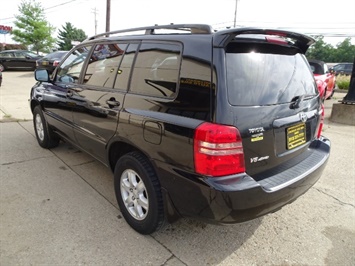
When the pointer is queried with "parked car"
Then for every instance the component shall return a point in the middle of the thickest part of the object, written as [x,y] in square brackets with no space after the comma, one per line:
[221,126]
[18,59]
[50,61]
[343,69]
[324,76]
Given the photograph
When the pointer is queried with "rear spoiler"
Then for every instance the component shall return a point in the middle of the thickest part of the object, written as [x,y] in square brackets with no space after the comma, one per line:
[301,41]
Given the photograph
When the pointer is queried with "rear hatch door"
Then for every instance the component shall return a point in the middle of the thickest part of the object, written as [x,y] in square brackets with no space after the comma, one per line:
[272,99]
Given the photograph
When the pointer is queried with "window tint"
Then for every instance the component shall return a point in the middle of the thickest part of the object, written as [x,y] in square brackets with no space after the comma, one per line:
[6,55]
[103,64]
[125,67]
[349,67]
[266,78]
[340,67]
[30,54]
[156,69]
[69,71]
[317,68]
[196,89]
[55,55]
[19,55]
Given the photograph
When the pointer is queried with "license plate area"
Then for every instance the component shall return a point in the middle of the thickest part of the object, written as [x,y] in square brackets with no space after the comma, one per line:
[295,136]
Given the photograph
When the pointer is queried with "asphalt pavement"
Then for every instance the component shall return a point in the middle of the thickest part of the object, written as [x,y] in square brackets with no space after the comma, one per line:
[57,207]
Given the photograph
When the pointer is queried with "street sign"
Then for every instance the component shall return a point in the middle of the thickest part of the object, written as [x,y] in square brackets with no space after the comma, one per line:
[5,29]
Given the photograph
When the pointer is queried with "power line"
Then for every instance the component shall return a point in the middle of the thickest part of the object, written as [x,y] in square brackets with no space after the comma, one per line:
[44,9]
[62,4]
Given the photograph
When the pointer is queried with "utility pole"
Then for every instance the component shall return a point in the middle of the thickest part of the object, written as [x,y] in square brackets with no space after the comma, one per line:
[108,15]
[95,13]
[235,13]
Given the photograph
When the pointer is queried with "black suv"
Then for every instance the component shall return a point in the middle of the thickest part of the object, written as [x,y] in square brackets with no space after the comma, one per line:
[343,69]
[221,126]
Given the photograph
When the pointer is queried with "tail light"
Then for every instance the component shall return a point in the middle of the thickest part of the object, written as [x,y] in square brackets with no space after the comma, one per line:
[320,123]
[218,150]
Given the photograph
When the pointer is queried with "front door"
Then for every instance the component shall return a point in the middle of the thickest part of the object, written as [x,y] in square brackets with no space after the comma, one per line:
[58,97]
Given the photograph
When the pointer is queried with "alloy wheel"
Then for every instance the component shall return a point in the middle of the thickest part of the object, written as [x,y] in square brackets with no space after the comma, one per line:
[39,127]
[134,194]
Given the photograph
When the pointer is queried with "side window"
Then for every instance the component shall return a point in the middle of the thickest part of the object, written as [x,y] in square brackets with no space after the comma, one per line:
[156,70]
[103,64]
[125,67]
[69,70]
[340,67]
[19,55]
[195,87]
[6,55]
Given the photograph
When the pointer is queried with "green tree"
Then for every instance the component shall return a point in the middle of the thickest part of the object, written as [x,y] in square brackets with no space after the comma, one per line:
[31,27]
[68,34]
[320,50]
[344,52]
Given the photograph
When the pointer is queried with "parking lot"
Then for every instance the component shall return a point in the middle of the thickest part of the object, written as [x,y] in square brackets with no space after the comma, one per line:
[57,207]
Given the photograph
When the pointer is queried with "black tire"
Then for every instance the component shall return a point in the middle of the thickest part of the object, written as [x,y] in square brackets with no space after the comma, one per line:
[46,138]
[138,193]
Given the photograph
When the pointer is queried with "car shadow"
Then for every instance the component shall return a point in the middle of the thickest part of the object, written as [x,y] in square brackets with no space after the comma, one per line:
[192,241]
[197,243]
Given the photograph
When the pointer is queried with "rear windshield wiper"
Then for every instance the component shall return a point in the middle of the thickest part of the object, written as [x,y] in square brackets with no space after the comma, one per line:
[296,101]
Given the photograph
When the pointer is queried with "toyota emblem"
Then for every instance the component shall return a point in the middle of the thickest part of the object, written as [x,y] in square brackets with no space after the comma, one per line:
[303,117]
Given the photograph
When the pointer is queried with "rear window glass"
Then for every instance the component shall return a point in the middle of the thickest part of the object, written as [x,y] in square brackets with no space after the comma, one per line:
[258,75]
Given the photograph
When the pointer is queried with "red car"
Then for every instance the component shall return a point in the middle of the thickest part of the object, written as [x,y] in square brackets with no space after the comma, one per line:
[324,77]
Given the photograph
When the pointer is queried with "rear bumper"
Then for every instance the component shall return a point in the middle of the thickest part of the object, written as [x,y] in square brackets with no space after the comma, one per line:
[240,198]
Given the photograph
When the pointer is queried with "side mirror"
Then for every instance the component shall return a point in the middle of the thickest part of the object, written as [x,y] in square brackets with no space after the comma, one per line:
[41,75]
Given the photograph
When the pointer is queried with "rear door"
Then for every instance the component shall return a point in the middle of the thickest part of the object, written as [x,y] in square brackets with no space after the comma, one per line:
[10,61]
[22,60]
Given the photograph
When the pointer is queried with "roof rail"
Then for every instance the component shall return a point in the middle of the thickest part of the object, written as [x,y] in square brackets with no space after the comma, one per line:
[192,28]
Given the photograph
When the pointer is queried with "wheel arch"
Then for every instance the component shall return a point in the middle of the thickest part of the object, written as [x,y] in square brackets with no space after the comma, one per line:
[33,104]
[119,148]
[36,97]
[3,66]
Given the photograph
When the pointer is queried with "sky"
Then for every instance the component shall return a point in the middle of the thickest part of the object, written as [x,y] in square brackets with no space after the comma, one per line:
[326,17]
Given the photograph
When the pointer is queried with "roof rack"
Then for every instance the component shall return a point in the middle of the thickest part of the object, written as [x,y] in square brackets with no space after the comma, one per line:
[191,28]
